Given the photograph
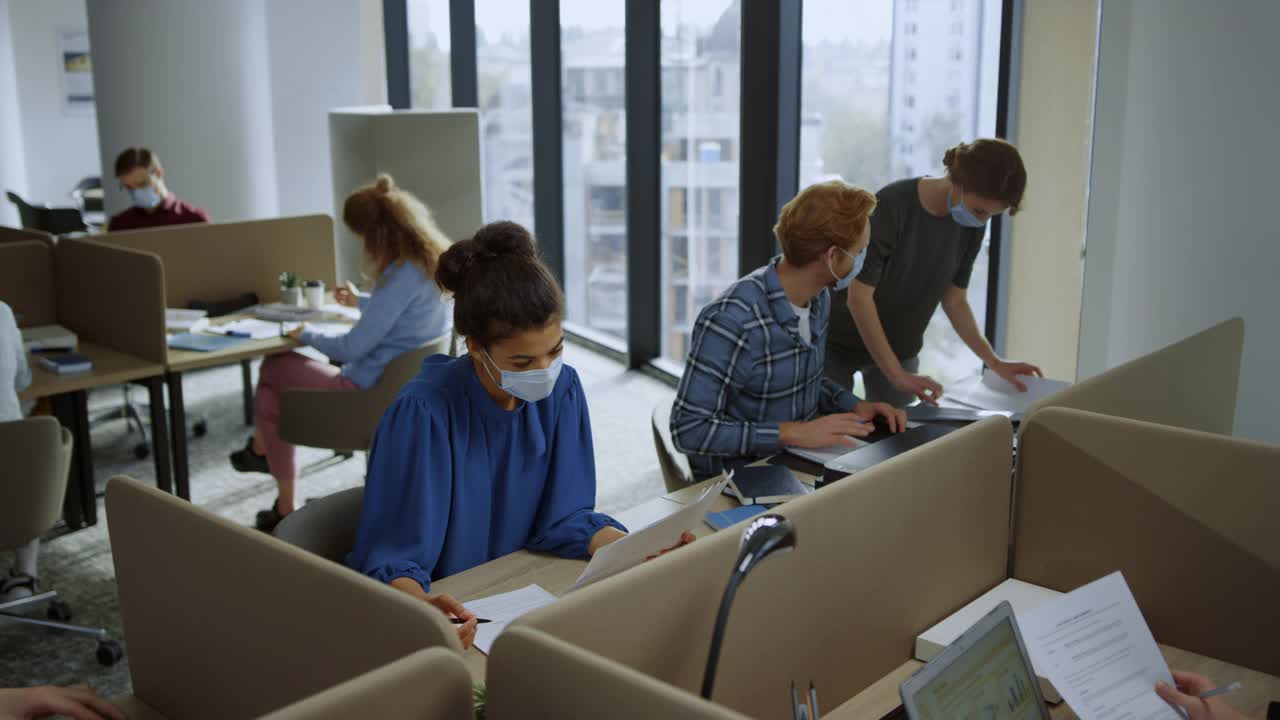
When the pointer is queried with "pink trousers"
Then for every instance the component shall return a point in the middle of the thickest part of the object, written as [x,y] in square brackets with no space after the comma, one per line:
[288,371]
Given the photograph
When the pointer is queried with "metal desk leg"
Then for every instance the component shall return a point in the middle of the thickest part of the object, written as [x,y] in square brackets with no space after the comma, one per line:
[178,423]
[246,378]
[159,433]
[80,507]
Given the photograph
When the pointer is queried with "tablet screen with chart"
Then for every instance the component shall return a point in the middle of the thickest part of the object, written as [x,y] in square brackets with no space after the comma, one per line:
[990,681]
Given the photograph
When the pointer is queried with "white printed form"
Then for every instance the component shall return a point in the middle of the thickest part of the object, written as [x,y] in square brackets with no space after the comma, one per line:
[1095,647]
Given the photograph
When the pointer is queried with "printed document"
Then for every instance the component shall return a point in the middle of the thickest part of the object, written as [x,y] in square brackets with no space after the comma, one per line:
[1095,647]
[503,609]
[992,392]
[633,549]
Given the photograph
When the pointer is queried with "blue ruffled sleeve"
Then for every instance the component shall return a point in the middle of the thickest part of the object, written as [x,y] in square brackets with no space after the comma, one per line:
[407,495]
[566,519]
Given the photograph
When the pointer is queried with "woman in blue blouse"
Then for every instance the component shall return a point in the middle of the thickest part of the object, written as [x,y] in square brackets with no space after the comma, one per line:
[491,452]
[401,246]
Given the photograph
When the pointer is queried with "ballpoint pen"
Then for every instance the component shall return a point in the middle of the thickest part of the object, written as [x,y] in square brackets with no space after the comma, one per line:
[813,702]
[459,621]
[1222,690]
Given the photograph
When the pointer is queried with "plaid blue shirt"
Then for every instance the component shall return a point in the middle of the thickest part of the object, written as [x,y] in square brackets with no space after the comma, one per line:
[748,371]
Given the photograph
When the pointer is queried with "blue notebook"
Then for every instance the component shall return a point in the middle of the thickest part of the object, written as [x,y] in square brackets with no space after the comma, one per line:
[204,343]
[722,520]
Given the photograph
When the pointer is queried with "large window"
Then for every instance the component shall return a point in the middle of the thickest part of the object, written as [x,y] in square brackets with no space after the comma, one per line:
[592,45]
[506,109]
[429,71]
[888,85]
[701,55]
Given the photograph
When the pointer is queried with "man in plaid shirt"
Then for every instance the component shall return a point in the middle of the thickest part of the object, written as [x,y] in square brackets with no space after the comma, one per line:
[753,382]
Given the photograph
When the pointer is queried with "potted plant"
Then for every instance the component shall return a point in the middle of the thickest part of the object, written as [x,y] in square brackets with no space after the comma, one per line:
[290,289]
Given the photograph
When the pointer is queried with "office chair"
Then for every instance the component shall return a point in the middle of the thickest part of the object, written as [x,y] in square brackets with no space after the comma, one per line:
[53,220]
[325,526]
[87,196]
[675,466]
[350,416]
[32,487]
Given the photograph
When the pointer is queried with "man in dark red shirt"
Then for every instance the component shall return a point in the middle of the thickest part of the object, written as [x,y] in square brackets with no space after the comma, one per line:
[139,170]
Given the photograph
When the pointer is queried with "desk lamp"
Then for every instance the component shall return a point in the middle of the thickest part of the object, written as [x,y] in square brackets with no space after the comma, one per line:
[766,535]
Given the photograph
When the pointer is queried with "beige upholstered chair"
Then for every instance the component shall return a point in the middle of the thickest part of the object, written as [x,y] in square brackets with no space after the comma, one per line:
[346,420]
[223,621]
[325,526]
[675,466]
[430,684]
[33,483]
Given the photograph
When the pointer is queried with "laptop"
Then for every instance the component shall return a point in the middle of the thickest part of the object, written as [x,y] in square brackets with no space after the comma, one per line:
[986,673]
[878,452]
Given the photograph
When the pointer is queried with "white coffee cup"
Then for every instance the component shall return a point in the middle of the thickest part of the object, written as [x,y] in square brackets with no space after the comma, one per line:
[313,293]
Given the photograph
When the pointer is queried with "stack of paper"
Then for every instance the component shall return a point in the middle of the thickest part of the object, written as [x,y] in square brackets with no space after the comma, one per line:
[501,610]
[46,338]
[992,392]
[251,328]
[182,320]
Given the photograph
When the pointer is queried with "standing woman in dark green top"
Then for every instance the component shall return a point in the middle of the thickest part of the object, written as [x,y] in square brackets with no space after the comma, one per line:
[925,235]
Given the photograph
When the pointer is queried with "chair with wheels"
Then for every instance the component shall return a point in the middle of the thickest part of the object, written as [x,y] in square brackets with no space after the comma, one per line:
[53,220]
[33,482]
[675,466]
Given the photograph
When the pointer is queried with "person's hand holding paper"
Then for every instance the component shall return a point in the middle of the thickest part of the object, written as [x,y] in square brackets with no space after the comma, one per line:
[1186,696]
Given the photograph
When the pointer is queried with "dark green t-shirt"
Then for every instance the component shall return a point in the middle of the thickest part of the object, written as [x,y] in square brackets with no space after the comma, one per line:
[912,259]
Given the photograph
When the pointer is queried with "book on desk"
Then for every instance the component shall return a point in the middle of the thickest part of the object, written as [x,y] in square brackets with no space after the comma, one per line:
[66,363]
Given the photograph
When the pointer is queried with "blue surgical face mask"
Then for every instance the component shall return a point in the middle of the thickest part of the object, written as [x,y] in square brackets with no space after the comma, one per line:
[528,385]
[145,197]
[963,215]
[842,283]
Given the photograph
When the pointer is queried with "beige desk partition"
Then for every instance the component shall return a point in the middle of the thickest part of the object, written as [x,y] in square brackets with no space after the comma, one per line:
[111,296]
[223,260]
[881,556]
[8,234]
[1190,384]
[223,621]
[27,282]
[1188,517]
[533,674]
[430,684]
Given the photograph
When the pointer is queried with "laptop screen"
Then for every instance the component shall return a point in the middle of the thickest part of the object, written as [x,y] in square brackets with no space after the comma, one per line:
[988,681]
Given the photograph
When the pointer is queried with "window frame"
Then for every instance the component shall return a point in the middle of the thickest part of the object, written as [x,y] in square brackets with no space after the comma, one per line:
[768,157]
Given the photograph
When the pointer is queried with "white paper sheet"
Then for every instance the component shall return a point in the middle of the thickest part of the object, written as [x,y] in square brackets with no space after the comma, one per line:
[1095,647]
[992,392]
[633,549]
[257,329]
[503,609]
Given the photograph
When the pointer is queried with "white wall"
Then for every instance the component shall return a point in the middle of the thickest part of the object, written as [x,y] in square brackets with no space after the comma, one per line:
[60,145]
[319,61]
[13,164]
[1181,229]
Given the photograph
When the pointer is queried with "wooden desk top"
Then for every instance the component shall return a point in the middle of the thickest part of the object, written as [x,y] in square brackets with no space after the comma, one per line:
[184,360]
[1258,689]
[556,575]
[110,367]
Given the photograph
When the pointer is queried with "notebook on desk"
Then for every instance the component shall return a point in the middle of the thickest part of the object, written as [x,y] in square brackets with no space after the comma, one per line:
[204,343]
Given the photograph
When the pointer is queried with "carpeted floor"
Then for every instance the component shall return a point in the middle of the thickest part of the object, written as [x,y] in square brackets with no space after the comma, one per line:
[78,565]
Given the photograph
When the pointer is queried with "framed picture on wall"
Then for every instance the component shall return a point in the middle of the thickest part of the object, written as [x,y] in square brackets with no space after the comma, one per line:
[75,70]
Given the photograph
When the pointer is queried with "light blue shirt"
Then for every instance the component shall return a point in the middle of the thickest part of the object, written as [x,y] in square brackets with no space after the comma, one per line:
[15,376]
[405,311]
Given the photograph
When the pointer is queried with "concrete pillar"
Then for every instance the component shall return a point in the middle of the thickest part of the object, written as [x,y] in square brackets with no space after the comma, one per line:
[190,80]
